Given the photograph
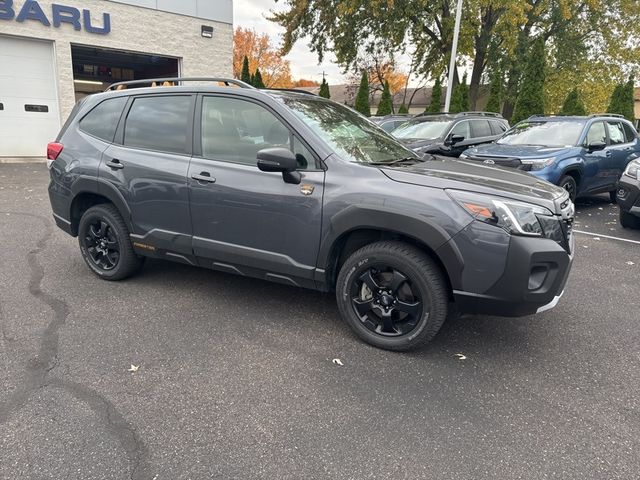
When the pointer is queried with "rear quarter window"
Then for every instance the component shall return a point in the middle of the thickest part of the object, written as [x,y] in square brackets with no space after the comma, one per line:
[102,121]
[498,128]
[629,133]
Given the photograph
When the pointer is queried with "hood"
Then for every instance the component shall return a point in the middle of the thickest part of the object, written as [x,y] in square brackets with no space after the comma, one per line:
[476,177]
[519,151]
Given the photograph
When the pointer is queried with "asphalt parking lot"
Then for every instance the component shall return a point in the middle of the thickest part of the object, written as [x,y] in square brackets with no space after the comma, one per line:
[236,379]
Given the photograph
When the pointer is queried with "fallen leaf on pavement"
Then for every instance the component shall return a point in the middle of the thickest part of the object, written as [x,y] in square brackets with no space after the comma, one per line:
[338,362]
[133,369]
[460,356]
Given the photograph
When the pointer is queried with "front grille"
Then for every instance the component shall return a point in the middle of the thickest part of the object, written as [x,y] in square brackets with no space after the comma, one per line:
[510,162]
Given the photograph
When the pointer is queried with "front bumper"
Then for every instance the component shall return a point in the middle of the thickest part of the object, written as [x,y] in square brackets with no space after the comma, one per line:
[629,195]
[534,278]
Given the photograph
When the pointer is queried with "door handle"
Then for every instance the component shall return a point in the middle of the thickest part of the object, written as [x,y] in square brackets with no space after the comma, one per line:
[115,164]
[204,177]
[609,153]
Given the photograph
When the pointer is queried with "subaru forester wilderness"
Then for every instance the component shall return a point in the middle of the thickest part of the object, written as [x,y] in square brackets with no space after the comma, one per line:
[296,189]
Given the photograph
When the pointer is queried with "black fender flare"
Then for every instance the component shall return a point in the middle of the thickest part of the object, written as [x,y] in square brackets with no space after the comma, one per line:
[105,189]
[355,217]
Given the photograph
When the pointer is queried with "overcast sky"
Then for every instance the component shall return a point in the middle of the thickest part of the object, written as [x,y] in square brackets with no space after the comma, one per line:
[304,63]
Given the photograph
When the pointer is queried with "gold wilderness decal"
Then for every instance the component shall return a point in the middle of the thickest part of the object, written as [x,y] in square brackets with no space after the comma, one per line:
[144,246]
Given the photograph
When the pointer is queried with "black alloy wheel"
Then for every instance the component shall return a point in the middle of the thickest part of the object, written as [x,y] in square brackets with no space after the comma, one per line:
[105,243]
[385,302]
[102,244]
[392,295]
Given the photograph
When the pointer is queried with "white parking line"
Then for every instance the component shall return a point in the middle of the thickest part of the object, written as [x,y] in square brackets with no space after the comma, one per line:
[607,236]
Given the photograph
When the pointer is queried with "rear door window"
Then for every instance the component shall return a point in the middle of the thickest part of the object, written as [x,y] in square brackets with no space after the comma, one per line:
[102,121]
[159,123]
[616,133]
[480,128]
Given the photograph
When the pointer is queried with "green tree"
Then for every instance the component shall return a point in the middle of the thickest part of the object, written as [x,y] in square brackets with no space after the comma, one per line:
[324,89]
[245,75]
[494,103]
[615,104]
[403,109]
[494,34]
[460,97]
[385,107]
[362,98]
[628,100]
[257,80]
[573,104]
[436,97]
[531,97]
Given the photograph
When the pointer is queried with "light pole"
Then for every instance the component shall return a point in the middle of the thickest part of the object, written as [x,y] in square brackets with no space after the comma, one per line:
[454,52]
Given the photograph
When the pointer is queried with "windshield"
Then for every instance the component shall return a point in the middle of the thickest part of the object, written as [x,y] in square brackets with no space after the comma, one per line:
[352,136]
[421,130]
[547,134]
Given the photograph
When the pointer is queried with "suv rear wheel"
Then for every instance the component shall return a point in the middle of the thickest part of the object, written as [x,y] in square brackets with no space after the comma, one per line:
[105,245]
[392,295]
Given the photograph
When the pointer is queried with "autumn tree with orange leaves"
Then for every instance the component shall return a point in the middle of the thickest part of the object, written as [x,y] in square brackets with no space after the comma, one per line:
[262,55]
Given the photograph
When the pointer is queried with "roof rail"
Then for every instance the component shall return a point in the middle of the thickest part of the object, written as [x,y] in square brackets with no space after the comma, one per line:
[150,81]
[482,114]
[294,90]
[614,115]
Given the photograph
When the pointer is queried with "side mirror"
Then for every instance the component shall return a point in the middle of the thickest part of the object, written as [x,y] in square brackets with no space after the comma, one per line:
[280,160]
[595,146]
[453,139]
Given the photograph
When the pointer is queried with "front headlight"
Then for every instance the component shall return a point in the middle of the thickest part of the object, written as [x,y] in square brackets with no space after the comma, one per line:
[463,156]
[538,163]
[515,217]
[633,170]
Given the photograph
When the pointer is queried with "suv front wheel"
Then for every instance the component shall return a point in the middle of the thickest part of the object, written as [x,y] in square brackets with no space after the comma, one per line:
[392,295]
[105,245]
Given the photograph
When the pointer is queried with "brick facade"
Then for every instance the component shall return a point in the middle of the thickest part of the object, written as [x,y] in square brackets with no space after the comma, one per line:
[134,29]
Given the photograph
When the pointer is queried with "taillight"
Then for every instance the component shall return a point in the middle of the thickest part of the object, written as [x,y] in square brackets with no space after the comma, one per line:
[53,151]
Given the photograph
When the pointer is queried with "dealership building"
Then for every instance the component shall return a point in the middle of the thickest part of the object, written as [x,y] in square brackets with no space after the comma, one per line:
[53,53]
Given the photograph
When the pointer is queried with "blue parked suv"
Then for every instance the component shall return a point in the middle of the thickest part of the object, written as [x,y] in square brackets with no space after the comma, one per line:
[584,155]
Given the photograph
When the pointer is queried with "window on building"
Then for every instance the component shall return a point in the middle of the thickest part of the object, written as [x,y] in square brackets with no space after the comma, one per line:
[159,123]
[102,121]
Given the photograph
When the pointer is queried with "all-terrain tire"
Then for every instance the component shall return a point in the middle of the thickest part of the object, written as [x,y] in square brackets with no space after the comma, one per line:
[423,278]
[120,266]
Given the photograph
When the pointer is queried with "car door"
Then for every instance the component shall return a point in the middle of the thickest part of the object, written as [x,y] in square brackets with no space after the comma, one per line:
[594,176]
[245,220]
[148,165]
[622,147]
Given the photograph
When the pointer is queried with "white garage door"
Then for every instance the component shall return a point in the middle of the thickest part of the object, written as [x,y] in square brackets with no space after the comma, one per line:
[29,117]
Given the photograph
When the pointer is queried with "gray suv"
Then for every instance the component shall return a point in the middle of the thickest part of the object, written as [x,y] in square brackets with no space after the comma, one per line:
[297,189]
